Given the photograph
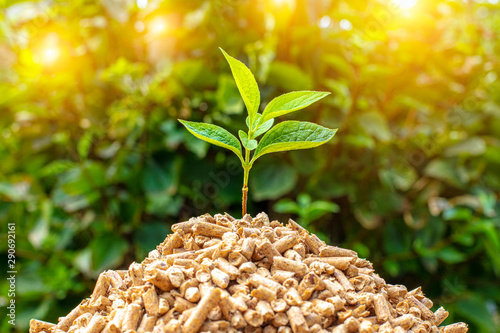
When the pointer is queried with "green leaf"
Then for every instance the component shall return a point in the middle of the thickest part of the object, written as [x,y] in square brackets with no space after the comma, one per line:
[248,144]
[263,128]
[292,135]
[272,180]
[290,102]
[246,85]
[215,135]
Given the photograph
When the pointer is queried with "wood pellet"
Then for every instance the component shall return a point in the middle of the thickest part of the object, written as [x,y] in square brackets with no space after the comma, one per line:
[221,274]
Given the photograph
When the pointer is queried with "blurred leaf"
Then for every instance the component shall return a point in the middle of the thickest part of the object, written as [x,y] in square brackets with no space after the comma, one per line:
[286,206]
[84,144]
[193,73]
[474,309]
[289,77]
[366,219]
[471,147]
[271,180]
[374,124]
[157,178]
[107,252]
[451,255]
[445,171]
[79,187]
[228,97]
[148,236]
[57,167]
[40,230]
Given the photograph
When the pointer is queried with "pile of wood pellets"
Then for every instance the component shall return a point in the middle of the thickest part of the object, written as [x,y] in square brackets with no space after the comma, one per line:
[221,274]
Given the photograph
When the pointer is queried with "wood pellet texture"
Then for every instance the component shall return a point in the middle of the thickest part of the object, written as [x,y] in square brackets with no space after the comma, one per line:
[220,274]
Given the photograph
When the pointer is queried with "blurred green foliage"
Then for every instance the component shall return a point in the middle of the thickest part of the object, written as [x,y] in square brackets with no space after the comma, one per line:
[94,168]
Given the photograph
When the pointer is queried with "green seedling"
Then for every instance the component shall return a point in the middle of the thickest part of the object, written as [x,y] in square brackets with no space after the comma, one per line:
[286,135]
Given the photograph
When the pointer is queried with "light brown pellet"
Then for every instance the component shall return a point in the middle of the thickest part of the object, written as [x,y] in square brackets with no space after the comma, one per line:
[237,320]
[151,302]
[454,328]
[38,325]
[209,300]
[227,268]
[440,315]
[264,293]
[67,321]
[253,318]
[285,243]
[292,297]
[297,321]
[334,251]
[426,313]
[290,265]
[172,242]
[160,279]
[381,308]
[405,321]
[265,310]
[280,319]
[147,323]
[338,262]
[133,315]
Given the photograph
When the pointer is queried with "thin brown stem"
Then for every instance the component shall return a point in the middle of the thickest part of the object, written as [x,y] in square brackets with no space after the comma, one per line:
[244,201]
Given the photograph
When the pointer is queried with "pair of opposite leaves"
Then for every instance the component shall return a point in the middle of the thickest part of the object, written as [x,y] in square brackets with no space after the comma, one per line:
[287,135]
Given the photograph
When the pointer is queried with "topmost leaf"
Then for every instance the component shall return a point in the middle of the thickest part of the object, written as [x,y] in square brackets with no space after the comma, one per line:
[290,102]
[246,85]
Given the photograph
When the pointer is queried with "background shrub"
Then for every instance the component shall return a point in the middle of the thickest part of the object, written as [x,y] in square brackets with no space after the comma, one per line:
[94,167]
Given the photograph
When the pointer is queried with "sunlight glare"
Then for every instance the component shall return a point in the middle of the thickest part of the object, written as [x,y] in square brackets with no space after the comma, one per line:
[50,54]
[142,3]
[345,25]
[157,26]
[283,3]
[325,22]
[405,4]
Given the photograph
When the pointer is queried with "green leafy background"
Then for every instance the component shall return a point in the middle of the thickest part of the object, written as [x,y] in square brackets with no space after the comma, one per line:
[94,167]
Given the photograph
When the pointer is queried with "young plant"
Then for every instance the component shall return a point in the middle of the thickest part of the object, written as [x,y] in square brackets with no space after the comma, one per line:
[287,135]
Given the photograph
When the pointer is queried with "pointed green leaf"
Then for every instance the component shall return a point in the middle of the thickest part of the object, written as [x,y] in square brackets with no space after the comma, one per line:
[215,135]
[246,85]
[248,144]
[263,128]
[291,102]
[292,135]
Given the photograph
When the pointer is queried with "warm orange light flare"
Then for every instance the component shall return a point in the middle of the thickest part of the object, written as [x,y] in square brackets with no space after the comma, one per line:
[49,55]
[158,25]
